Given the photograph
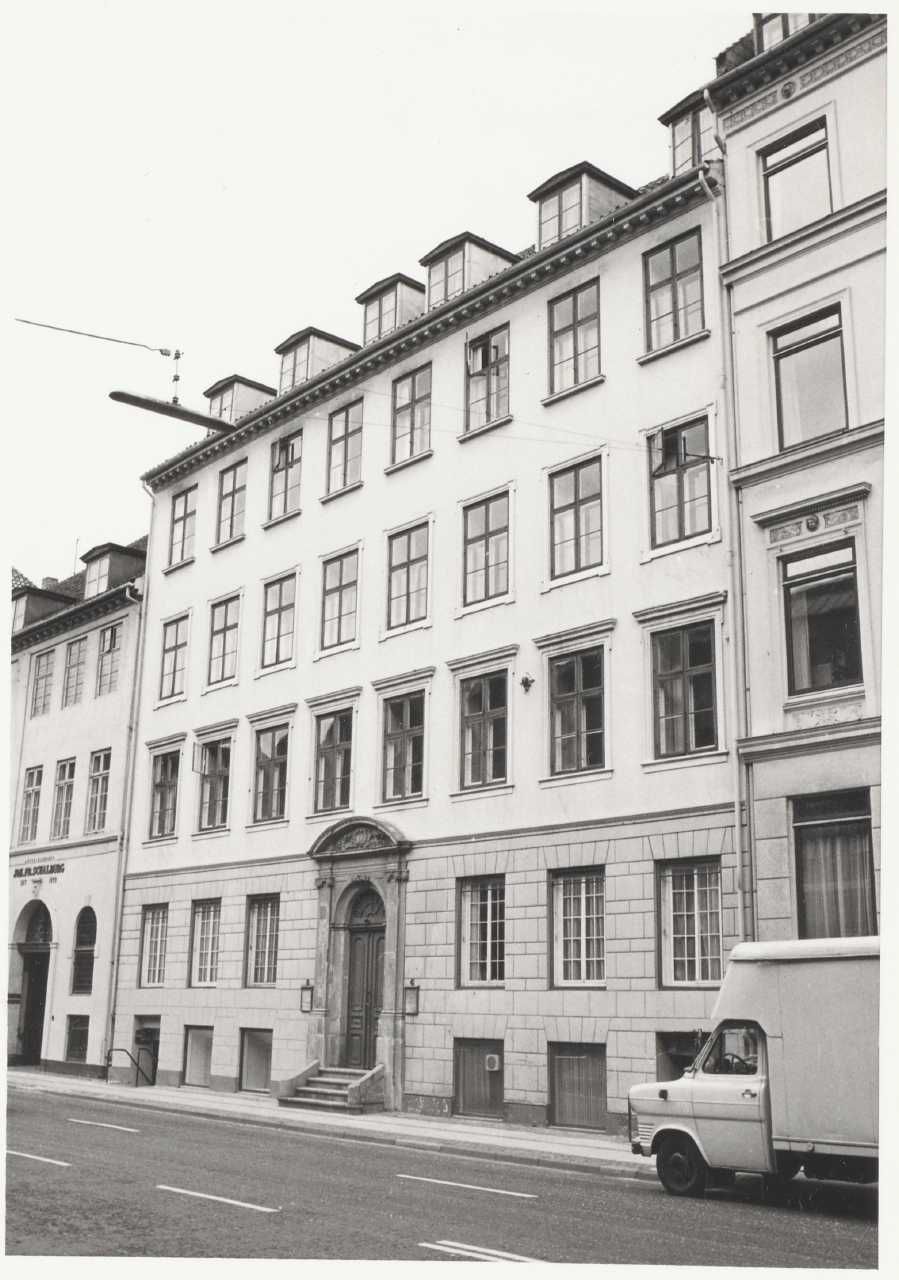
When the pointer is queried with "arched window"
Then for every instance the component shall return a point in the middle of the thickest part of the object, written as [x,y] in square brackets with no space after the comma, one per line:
[83,961]
[40,930]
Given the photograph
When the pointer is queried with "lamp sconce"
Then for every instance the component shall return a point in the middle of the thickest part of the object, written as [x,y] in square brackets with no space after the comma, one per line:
[526,683]
[306,992]
[410,999]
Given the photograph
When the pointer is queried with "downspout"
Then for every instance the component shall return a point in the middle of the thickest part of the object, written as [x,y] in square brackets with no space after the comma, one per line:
[127,799]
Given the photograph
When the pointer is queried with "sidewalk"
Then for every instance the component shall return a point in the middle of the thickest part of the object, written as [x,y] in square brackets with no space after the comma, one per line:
[561,1148]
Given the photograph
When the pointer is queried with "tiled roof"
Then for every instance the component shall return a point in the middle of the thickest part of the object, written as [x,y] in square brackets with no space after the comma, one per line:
[19,580]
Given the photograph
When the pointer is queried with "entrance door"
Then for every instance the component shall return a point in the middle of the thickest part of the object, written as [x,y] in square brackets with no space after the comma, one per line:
[479,1077]
[35,967]
[365,994]
[578,1085]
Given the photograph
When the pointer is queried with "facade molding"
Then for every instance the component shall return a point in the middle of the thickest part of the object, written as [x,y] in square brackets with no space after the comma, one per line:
[576,635]
[504,654]
[696,604]
[798,742]
[809,455]
[272,713]
[421,674]
[809,506]
[85,611]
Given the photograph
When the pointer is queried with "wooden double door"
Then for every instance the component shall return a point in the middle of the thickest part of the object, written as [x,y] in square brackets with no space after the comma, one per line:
[365,995]
[36,966]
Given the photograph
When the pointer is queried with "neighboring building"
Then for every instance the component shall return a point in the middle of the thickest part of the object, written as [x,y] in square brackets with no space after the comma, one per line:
[74,654]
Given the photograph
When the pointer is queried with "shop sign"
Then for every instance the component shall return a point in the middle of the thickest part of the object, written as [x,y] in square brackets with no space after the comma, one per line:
[42,869]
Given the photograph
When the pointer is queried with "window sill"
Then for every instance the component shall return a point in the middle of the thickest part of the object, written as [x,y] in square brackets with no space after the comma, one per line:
[424,624]
[290,665]
[823,698]
[482,431]
[482,986]
[339,493]
[230,542]
[674,346]
[407,462]
[179,564]
[580,575]
[493,603]
[475,793]
[346,647]
[212,833]
[572,391]
[411,802]
[168,702]
[267,824]
[288,515]
[230,683]
[690,986]
[579,986]
[568,779]
[684,762]
[153,841]
[328,815]
[685,544]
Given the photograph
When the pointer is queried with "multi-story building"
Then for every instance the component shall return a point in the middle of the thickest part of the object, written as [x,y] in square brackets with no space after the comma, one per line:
[74,658]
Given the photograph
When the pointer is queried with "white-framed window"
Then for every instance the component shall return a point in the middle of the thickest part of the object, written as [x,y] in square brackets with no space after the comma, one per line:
[182,533]
[83,952]
[96,578]
[403,719]
[222,405]
[294,367]
[834,864]
[204,939]
[212,761]
[821,613]
[98,790]
[810,377]
[31,801]
[63,793]
[576,517]
[271,745]
[263,914]
[482,958]
[576,678]
[487,379]
[796,179]
[154,937]
[680,496]
[380,315]
[408,560]
[19,607]
[560,213]
[672,291]
[411,416]
[486,550]
[173,669]
[232,502]
[73,675]
[224,630]
[579,927]
[164,793]
[42,683]
[772,28]
[340,599]
[691,942]
[692,140]
[284,482]
[345,447]
[108,654]
[333,759]
[446,278]
[278,620]
[574,337]
[483,720]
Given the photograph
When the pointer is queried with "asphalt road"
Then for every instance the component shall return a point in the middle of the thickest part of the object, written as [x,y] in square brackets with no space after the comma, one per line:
[156,1184]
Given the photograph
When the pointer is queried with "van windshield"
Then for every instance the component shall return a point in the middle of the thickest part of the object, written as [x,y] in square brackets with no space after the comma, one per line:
[735,1051]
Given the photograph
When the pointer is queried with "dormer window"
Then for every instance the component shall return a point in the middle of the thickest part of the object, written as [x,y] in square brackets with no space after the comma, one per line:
[18,613]
[222,405]
[772,28]
[445,278]
[294,367]
[692,140]
[97,577]
[380,315]
[560,213]
[575,198]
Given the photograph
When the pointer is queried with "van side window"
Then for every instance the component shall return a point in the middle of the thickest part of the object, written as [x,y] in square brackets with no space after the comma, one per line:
[734,1052]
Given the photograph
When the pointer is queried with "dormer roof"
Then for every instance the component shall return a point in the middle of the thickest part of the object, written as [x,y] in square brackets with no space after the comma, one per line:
[20,582]
[237,377]
[381,286]
[575,171]
[104,549]
[447,246]
[309,332]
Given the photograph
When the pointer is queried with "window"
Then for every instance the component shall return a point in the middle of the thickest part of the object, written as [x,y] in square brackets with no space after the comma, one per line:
[579,928]
[270,790]
[108,659]
[683,683]
[445,278]
[487,397]
[821,610]
[692,140]
[333,760]
[42,687]
[796,177]
[560,213]
[62,800]
[345,447]
[412,415]
[83,955]
[19,606]
[483,931]
[262,941]
[407,599]
[574,338]
[576,696]
[183,530]
[691,923]
[77,1025]
[734,1051]
[672,280]
[223,626]
[575,512]
[154,933]
[380,315]
[834,865]
[215,779]
[772,28]
[73,677]
[809,378]
[284,490]
[164,793]
[96,578]
[294,367]
[340,578]
[486,538]
[278,610]
[679,482]
[204,933]
[404,738]
[222,405]
[174,658]
[484,708]
[31,800]
[98,791]
[232,502]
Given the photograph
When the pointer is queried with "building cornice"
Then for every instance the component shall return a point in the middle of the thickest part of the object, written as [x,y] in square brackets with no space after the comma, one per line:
[800,742]
[70,619]
[808,506]
[678,608]
[810,455]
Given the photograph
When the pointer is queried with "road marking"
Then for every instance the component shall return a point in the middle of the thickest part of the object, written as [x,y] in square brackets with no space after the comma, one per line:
[476,1251]
[43,1159]
[201,1195]
[99,1124]
[468,1186]
[459,1253]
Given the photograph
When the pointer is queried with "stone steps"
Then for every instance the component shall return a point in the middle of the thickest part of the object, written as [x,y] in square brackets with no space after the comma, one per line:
[327,1090]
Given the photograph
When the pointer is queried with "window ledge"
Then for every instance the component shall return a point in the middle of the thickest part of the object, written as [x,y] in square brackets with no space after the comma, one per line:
[482,986]
[212,833]
[328,815]
[572,391]
[407,462]
[579,986]
[674,346]
[219,684]
[168,702]
[347,647]
[412,802]
[568,779]
[684,762]
[685,544]
[230,542]
[474,793]
[482,431]
[580,575]
[153,841]
[339,493]
[267,824]
[282,519]
[275,668]
[493,603]
[424,624]
[179,564]
[823,698]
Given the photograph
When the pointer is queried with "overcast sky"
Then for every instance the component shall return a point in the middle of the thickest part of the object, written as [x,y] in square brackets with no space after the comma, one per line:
[217,176]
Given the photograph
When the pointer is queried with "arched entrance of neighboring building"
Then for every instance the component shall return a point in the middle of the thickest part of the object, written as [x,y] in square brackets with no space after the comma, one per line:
[365,989]
[34,949]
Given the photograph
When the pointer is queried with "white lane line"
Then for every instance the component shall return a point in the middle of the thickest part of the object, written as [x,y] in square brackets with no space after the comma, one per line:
[459,1253]
[99,1124]
[201,1195]
[491,1253]
[43,1159]
[468,1186]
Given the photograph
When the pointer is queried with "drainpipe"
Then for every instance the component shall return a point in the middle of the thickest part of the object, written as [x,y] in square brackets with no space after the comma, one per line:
[128,797]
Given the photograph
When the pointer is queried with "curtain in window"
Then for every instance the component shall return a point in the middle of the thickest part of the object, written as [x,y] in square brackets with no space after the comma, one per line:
[836,881]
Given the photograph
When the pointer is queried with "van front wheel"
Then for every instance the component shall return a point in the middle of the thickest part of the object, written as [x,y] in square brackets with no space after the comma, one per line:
[681,1169]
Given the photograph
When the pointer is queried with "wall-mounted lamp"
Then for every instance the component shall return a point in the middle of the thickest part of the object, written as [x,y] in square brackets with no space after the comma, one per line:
[526,682]
[306,992]
[410,999]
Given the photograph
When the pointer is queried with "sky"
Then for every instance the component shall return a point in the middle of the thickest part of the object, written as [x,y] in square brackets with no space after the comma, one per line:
[214,177]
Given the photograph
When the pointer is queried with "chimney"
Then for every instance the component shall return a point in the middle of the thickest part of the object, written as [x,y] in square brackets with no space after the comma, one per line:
[48,584]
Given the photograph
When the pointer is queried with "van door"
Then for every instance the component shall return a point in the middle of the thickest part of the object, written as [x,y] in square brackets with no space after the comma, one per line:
[730,1099]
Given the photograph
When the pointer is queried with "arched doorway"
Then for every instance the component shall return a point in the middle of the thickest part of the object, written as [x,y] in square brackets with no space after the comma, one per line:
[35,953]
[365,990]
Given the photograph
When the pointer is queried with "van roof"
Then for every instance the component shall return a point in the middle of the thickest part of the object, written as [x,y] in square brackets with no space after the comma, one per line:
[806,949]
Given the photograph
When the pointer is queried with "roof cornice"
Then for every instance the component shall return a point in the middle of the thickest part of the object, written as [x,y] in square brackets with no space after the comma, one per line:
[520,278]
[68,619]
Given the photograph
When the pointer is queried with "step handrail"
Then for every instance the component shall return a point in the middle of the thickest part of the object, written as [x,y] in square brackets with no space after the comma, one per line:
[128,1054]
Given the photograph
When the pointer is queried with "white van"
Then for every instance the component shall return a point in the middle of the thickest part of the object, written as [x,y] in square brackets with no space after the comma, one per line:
[787,1079]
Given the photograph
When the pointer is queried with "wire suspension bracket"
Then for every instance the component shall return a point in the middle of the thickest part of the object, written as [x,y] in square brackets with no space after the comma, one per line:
[167,352]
